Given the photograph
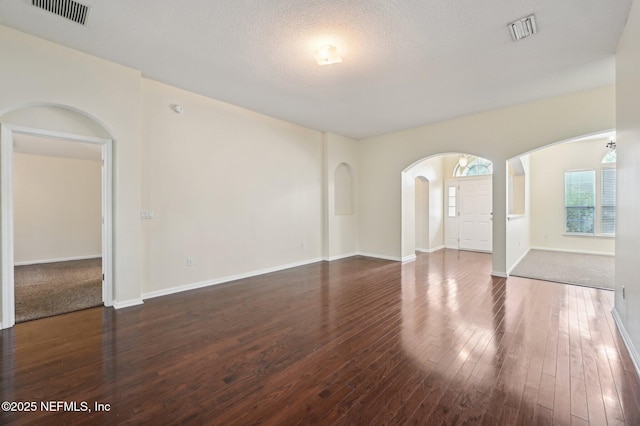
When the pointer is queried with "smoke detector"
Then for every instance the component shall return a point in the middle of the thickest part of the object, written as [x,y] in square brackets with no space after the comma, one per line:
[523,28]
[68,9]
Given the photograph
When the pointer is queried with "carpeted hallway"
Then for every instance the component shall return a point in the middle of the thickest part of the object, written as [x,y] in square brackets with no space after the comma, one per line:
[49,289]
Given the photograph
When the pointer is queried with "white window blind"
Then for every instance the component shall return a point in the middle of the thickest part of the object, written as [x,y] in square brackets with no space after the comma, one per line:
[580,195]
[608,201]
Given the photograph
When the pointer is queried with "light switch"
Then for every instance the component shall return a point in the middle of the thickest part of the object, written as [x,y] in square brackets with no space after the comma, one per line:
[146,214]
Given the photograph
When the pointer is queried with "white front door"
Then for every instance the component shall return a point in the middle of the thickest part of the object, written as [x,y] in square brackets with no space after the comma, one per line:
[475,220]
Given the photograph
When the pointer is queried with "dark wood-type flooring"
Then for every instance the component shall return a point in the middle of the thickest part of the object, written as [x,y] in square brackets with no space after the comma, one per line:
[353,342]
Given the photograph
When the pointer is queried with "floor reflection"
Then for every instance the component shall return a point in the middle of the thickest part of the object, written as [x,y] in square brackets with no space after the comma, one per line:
[355,341]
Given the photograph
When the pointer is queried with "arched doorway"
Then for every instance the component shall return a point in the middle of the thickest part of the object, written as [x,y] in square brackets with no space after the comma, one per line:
[74,129]
[457,184]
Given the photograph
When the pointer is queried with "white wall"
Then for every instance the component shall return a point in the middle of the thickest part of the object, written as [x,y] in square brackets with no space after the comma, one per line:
[36,72]
[548,166]
[422,215]
[340,230]
[287,157]
[496,135]
[628,179]
[235,190]
[519,226]
[57,208]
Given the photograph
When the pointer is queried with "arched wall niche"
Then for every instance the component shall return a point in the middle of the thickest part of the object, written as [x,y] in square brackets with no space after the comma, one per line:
[343,192]
[516,187]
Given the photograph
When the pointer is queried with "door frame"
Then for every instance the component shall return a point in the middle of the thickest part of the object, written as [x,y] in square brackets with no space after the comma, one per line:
[461,222]
[455,182]
[6,210]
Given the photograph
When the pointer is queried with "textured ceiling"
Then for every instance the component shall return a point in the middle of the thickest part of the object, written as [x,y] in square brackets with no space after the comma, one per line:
[406,63]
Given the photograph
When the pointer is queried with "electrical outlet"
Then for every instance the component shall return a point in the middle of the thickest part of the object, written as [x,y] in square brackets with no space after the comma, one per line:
[191,261]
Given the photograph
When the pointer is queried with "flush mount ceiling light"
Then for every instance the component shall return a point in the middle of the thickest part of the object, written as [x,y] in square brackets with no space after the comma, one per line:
[523,28]
[328,55]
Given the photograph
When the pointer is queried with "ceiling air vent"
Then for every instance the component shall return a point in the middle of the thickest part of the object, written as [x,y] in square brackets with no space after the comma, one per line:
[68,9]
[523,28]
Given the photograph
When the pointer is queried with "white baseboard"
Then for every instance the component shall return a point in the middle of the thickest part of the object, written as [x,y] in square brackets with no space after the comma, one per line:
[421,250]
[601,253]
[627,340]
[201,284]
[517,262]
[341,256]
[380,256]
[127,303]
[62,259]
[499,274]
[409,258]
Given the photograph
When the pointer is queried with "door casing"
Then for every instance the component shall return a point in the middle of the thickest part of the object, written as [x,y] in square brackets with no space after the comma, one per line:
[6,210]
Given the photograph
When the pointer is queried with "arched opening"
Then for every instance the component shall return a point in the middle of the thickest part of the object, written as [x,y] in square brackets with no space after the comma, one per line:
[423,207]
[562,204]
[458,189]
[51,149]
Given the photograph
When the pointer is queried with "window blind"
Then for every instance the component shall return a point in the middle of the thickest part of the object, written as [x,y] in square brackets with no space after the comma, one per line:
[580,194]
[608,201]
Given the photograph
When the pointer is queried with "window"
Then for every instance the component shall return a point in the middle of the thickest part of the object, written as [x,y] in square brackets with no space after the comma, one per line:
[473,166]
[452,201]
[580,197]
[608,201]
[609,158]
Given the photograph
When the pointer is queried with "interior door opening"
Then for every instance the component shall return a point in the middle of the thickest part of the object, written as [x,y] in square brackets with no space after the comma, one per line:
[56,223]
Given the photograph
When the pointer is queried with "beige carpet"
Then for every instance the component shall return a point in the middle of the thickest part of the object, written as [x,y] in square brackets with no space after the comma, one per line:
[49,289]
[589,270]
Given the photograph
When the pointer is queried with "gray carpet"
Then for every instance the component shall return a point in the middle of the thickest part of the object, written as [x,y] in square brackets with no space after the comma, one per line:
[589,270]
[49,289]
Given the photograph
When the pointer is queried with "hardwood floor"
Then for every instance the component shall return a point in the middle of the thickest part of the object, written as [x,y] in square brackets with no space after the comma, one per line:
[356,341]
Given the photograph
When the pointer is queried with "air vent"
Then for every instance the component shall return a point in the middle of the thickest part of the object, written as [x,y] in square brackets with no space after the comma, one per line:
[523,28]
[68,9]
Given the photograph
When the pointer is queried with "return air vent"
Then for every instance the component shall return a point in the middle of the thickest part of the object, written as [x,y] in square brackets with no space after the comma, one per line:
[522,28]
[68,9]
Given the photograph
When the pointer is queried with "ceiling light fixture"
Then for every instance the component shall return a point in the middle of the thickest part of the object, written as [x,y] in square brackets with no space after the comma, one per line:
[523,28]
[611,145]
[328,55]
[463,160]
